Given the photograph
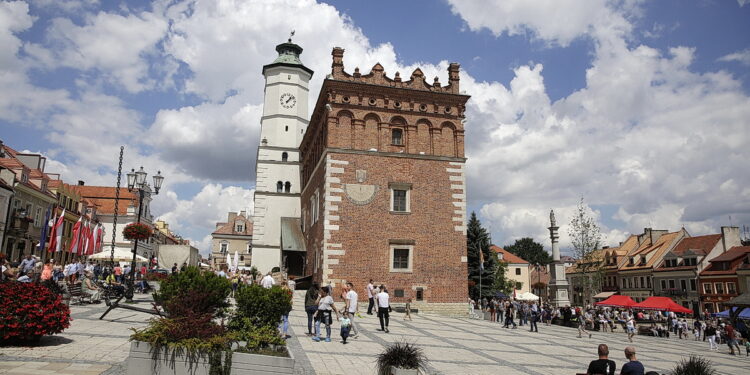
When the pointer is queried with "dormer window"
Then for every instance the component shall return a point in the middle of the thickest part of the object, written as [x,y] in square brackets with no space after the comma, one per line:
[643,260]
[24,177]
[631,261]
[240,227]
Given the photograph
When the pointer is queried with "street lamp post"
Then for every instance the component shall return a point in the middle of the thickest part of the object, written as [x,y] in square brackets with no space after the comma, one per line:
[137,180]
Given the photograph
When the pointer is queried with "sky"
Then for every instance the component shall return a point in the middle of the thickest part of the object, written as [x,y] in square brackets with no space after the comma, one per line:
[641,109]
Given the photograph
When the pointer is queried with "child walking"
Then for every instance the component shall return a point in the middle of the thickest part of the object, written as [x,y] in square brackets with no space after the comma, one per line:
[346,325]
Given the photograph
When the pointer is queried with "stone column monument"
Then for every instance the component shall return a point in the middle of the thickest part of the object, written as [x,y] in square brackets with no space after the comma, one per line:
[558,285]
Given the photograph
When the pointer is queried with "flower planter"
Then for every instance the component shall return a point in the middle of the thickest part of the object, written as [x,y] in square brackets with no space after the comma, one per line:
[404,371]
[141,361]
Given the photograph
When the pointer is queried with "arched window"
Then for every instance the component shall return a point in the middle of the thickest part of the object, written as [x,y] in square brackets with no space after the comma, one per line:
[279,187]
[397,137]
[287,187]
[284,156]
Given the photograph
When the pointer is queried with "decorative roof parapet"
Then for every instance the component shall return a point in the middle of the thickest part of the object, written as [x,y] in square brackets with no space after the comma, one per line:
[377,76]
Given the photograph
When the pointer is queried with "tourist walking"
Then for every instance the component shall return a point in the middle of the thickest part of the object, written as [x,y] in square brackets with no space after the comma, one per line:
[509,310]
[630,327]
[581,326]
[346,325]
[285,317]
[534,311]
[633,366]
[323,315]
[384,308]
[603,365]
[311,305]
[351,307]
[371,297]
[710,334]
[731,339]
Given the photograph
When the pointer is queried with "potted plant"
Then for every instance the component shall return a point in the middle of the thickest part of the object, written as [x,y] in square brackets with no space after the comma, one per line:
[188,340]
[137,232]
[260,349]
[401,358]
[29,311]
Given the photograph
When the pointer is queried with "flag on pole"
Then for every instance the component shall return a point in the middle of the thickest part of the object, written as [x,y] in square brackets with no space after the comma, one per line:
[90,239]
[55,237]
[84,242]
[45,226]
[75,241]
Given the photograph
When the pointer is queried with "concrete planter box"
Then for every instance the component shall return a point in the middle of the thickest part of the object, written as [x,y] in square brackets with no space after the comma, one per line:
[141,362]
[403,371]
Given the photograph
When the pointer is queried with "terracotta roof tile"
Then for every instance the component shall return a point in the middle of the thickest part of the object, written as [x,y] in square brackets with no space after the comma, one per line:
[229,228]
[701,245]
[507,256]
[732,254]
[104,198]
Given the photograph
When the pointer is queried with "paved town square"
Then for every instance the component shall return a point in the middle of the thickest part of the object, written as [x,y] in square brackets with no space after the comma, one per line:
[453,346]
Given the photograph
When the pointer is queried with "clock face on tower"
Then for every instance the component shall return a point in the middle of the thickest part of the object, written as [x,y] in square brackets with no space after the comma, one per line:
[287,100]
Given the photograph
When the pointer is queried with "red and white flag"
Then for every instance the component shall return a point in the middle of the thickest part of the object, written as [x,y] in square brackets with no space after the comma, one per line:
[89,249]
[84,242]
[75,241]
[55,236]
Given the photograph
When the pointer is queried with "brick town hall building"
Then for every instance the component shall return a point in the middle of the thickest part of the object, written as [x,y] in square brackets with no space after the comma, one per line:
[381,190]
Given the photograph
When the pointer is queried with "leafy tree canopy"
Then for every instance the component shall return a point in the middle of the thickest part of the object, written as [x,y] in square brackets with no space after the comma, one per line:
[530,251]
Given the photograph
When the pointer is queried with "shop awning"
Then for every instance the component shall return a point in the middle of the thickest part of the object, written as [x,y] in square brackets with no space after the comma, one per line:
[291,234]
[662,304]
[604,295]
[617,301]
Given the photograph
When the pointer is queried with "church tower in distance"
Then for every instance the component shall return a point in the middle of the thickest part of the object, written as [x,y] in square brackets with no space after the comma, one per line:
[276,215]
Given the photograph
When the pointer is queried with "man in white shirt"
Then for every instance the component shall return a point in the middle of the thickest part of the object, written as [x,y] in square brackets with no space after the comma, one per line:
[351,306]
[384,307]
[267,281]
[371,296]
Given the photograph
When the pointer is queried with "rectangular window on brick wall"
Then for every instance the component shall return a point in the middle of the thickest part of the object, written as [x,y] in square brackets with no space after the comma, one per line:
[401,258]
[400,197]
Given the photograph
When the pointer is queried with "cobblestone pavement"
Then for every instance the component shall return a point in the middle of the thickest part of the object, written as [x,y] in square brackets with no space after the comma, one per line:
[467,346]
[453,346]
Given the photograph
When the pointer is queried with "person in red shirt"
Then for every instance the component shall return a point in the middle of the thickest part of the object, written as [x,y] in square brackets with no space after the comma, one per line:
[731,339]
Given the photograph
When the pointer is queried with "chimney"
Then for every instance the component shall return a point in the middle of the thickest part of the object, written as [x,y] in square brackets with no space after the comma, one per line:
[2,149]
[243,213]
[337,66]
[730,237]
[232,216]
[81,183]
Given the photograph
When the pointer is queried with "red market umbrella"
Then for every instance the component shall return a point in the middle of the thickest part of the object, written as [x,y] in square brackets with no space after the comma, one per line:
[662,304]
[617,301]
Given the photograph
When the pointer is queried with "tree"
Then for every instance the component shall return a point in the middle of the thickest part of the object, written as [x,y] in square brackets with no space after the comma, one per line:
[530,251]
[585,237]
[501,283]
[478,242]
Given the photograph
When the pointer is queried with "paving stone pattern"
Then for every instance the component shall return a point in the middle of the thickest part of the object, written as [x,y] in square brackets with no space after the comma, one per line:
[454,346]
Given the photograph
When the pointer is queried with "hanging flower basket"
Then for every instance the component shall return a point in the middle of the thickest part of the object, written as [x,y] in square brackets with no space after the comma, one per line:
[137,231]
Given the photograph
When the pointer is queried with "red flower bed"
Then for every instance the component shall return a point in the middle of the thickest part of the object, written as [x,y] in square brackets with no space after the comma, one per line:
[137,231]
[29,311]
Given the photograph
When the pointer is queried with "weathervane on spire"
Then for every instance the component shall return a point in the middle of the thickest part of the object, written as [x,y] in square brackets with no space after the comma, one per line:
[290,36]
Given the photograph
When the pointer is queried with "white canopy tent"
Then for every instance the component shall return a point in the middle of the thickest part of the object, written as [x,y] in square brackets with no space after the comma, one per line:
[121,255]
[528,296]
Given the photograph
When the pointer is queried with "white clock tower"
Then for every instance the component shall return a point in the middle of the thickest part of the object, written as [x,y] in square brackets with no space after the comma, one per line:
[277,191]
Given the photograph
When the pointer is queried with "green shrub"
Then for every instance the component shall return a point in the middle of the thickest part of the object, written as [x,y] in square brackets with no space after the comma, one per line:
[694,365]
[402,355]
[260,307]
[213,290]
